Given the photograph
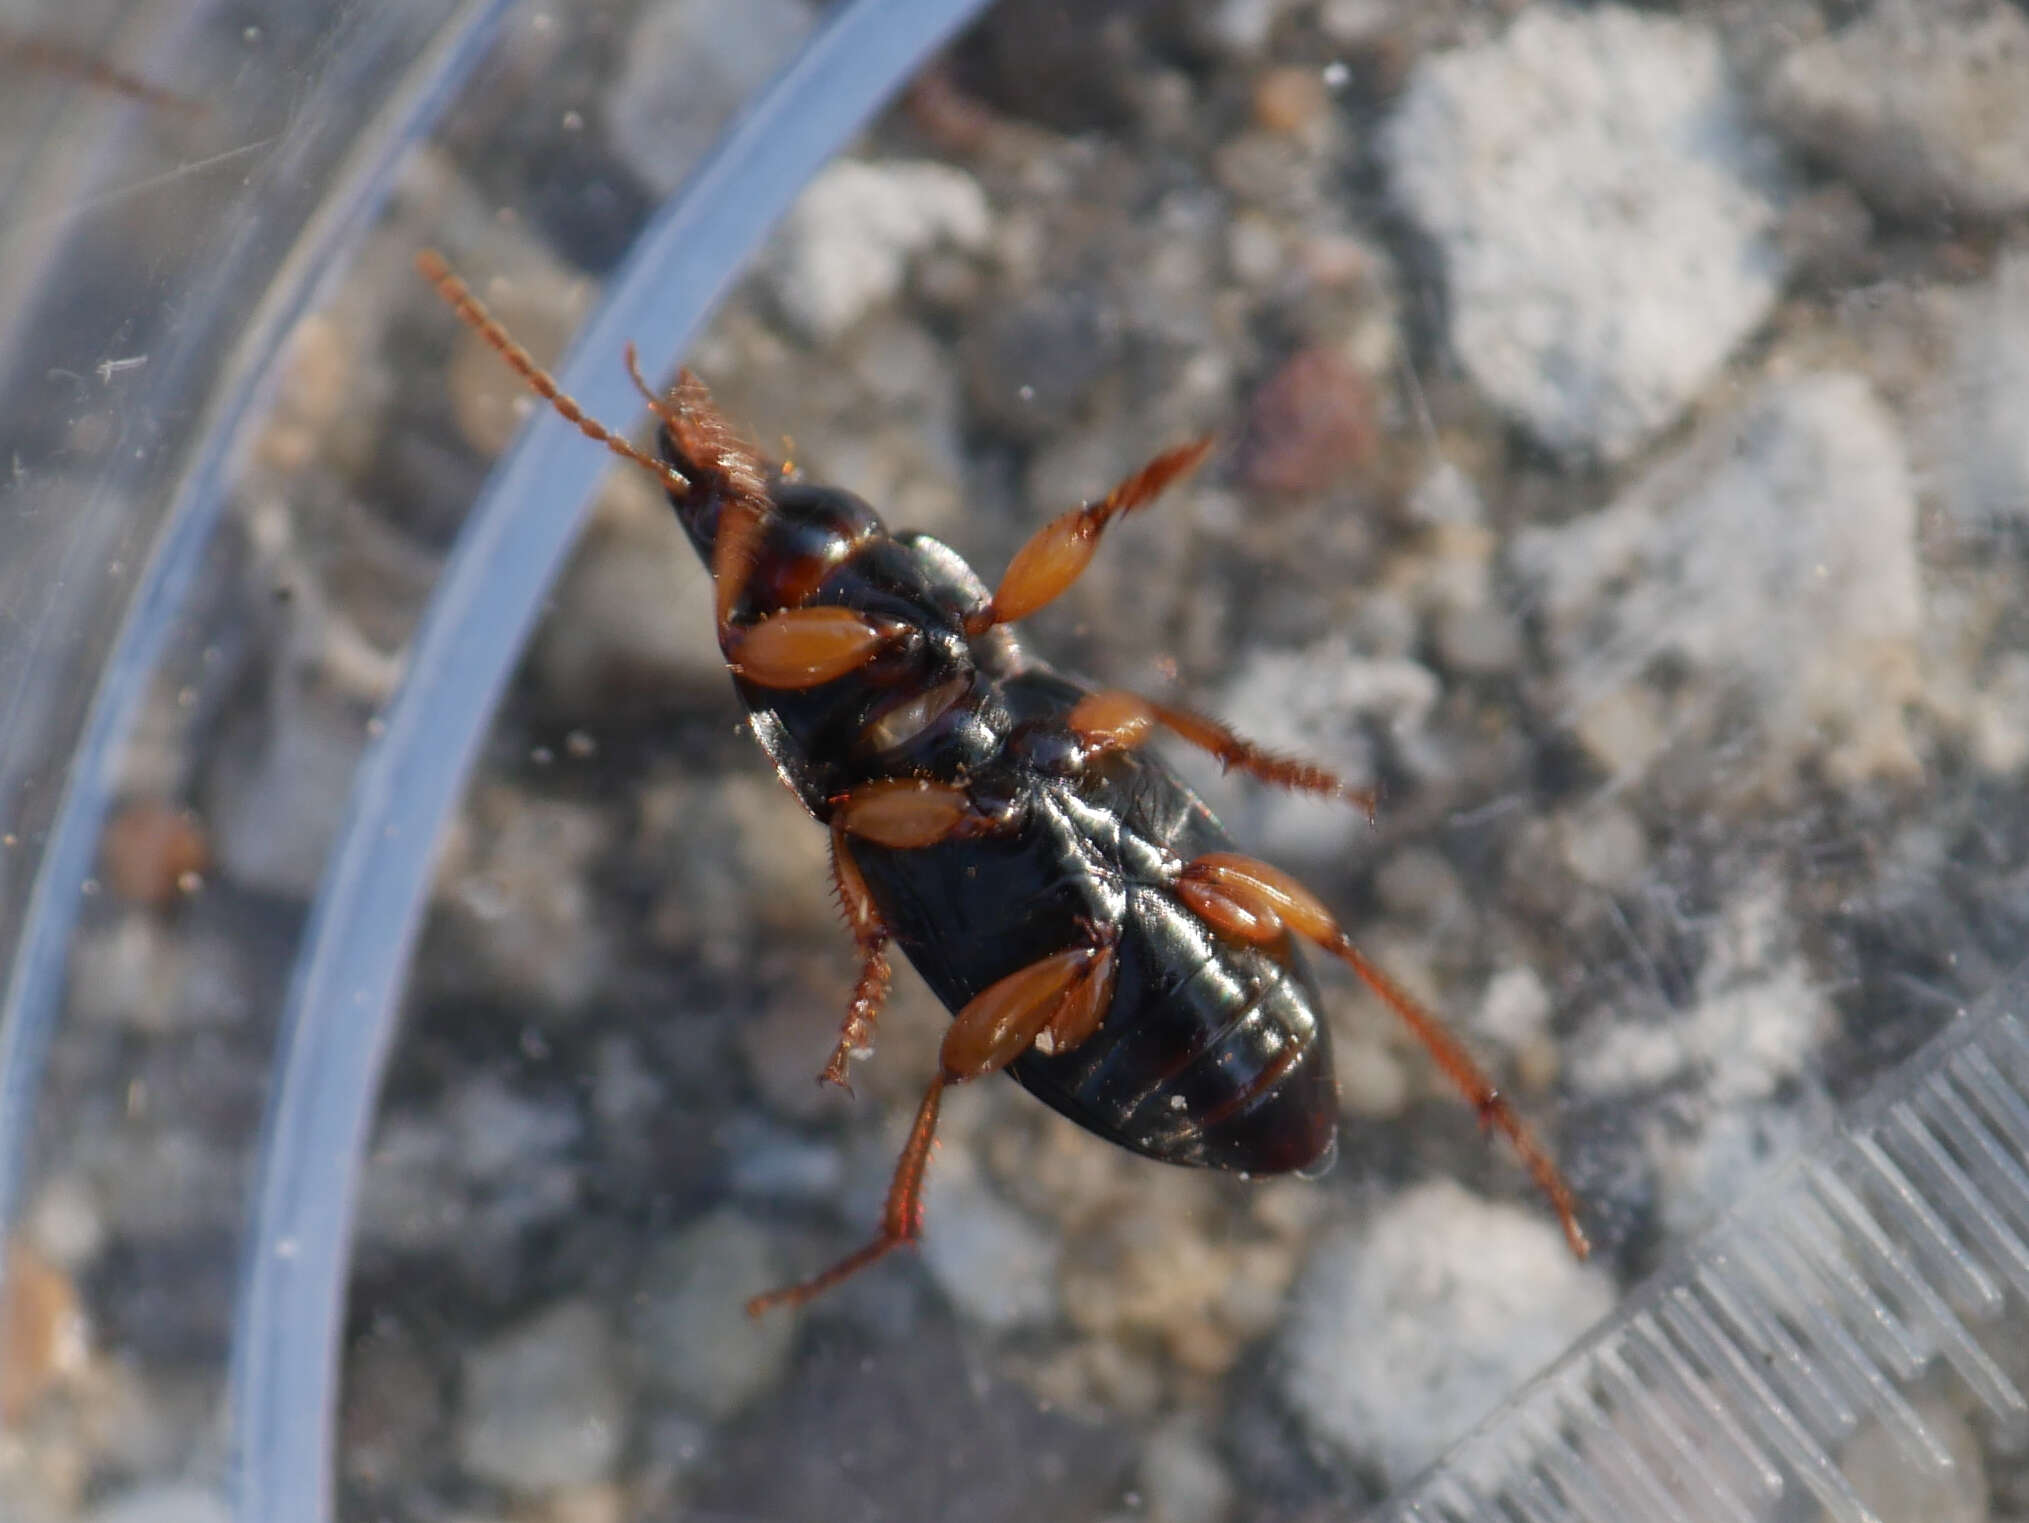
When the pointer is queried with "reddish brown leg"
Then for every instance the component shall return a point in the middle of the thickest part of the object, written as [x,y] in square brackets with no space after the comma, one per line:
[802,647]
[1114,720]
[906,812]
[1060,551]
[902,813]
[1254,902]
[1061,998]
[870,936]
[901,1218]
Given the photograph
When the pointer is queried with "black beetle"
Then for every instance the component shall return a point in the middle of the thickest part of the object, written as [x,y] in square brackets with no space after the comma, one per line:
[1076,906]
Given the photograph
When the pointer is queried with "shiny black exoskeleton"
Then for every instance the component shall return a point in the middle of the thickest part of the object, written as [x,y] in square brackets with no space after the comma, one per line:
[1072,902]
[1212,1052]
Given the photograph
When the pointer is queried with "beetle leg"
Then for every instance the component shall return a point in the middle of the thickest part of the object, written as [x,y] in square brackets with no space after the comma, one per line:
[1064,994]
[870,935]
[1116,720]
[1254,902]
[803,647]
[901,1218]
[1058,553]
[901,814]
[908,812]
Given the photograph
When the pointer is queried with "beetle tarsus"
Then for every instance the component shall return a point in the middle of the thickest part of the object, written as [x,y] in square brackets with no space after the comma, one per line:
[1113,719]
[1255,902]
[901,1219]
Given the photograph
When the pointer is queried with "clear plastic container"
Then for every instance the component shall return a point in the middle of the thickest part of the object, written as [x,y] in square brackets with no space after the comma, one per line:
[416,979]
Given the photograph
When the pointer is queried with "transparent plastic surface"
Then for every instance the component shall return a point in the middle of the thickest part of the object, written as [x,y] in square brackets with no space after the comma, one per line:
[178,178]
[488,596]
[1823,1347]
[1696,819]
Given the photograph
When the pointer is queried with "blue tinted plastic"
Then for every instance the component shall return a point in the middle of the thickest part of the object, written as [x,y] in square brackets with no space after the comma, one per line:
[342,1010]
[278,238]
[82,638]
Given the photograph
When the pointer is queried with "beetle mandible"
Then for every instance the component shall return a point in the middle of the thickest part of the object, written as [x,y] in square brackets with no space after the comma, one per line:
[1075,905]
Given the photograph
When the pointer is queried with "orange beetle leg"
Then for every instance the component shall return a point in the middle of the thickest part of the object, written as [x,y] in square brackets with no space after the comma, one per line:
[1058,993]
[803,647]
[1245,898]
[1058,553]
[870,937]
[1116,720]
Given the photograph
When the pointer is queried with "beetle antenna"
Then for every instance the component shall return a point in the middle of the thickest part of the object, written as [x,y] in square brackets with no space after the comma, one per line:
[38,52]
[657,402]
[472,312]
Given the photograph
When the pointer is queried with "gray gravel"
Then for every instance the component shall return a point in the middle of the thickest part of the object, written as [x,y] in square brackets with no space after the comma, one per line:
[687,1333]
[1622,417]
[688,63]
[1920,103]
[1979,442]
[1821,624]
[539,1408]
[1408,1330]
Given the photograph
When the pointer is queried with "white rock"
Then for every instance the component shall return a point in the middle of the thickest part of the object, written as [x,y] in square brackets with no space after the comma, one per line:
[692,1338]
[279,791]
[541,1407]
[514,892]
[473,1171]
[502,1136]
[1374,1081]
[406,1198]
[67,1222]
[846,244]
[1407,1332]
[1242,27]
[1775,559]
[1593,185]
[690,64]
[1923,103]
[1741,1040]
[1604,845]
[125,973]
[1447,496]
[770,1162]
[2000,715]
[1877,1467]
[159,1181]
[1706,1162]
[1515,1010]
[1354,23]
[989,1258]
